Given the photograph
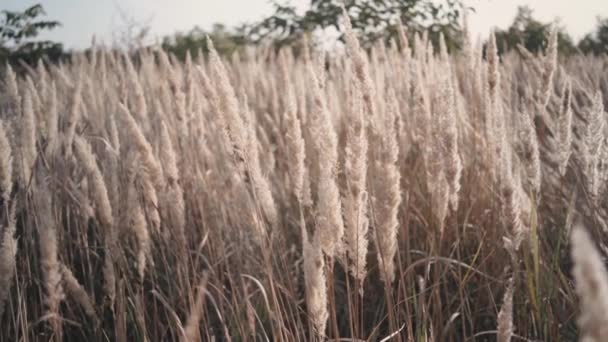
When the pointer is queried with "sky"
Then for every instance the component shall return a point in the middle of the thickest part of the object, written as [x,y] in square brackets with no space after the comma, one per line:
[104,19]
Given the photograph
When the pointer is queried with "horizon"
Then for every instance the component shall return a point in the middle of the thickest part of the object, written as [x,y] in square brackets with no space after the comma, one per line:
[82,21]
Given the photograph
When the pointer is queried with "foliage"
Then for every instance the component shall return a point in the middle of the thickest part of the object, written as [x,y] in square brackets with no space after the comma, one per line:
[18,31]
[226,41]
[596,43]
[531,33]
[371,19]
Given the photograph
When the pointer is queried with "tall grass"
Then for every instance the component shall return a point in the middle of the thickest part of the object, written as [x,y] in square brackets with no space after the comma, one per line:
[403,192]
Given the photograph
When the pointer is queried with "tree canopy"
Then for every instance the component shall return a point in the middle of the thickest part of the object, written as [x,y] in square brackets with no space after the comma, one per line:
[597,42]
[531,33]
[18,32]
[371,19]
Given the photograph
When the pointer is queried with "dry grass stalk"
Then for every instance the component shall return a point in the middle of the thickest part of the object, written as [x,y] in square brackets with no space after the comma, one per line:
[505,316]
[8,251]
[6,165]
[316,283]
[191,330]
[78,292]
[47,233]
[386,193]
[591,286]
[355,199]
[564,128]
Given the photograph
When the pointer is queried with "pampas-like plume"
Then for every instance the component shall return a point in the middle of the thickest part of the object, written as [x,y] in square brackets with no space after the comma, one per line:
[505,316]
[355,199]
[360,64]
[295,142]
[6,165]
[241,135]
[12,90]
[77,291]
[100,193]
[448,137]
[530,153]
[511,199]
[549,67]
[8,251]
[330,225]
[386,192]
[140,228]
[27,141]
[564,128]
[316,283]
[143,147]
[104,209]
[174,197]
[52,122]
[591,281]
[50,266]
[592,143]
[141,109]
[73,117]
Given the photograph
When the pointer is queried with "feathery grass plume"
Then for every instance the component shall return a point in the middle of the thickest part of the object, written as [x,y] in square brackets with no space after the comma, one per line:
[12,92]
[510,199]
[421,110]
[330,224]
[355,199]
[52,121]
[77,291]
[260,183]
[295,141]
[104,209]
[505,316]
[6,165]
[592,141]
[530,151]
[229,106]
[137,222]
[360,64]
[448,138]
[73,116]
[167,156]
[141,108]
[386,191]
[316,283]
[8,251]
[100,193]
[36,102]
[143,147]
[591,280]
[191,330]
[549,67]
[467,45]
[27,141]
[493,116]
[173,197]
[47,233]
[564,128]
[243,138]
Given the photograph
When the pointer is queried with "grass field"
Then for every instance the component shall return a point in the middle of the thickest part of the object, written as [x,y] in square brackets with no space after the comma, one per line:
[401,193]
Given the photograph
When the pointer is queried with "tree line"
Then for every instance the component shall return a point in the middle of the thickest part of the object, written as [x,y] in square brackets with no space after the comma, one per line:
[372,20]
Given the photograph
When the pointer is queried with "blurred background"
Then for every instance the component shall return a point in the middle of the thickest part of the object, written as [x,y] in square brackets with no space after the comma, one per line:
[57,28]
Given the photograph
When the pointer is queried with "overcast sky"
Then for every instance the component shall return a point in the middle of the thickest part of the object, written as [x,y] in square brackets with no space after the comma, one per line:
[82,19]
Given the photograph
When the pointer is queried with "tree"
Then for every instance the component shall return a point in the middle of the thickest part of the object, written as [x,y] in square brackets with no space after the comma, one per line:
[371,19]
[18,31]
[226,41]
[532,34]
[596,43]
